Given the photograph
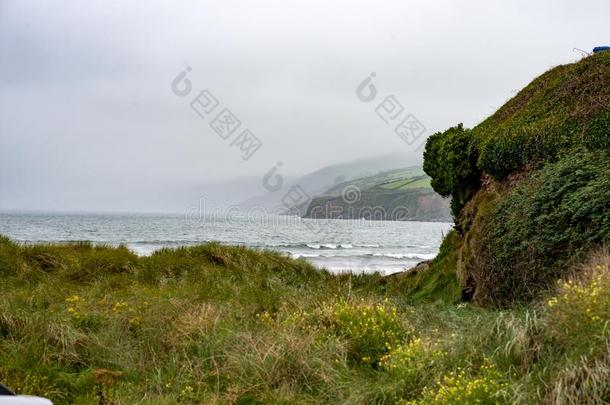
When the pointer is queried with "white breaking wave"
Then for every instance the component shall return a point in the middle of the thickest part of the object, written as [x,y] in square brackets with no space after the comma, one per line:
[396,256]
[329,246]
[412,256]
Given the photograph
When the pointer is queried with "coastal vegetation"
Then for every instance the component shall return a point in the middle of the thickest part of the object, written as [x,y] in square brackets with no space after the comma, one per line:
[216,324]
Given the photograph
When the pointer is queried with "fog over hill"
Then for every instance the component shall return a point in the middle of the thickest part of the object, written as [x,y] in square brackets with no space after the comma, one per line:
[89,121]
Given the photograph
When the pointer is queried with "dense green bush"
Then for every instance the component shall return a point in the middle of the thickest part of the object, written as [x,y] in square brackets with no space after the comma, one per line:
[512,150]
[450,160]
[558,214]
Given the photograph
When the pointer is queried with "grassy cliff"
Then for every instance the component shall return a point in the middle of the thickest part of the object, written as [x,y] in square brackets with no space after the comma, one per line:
[530,184]
[401,194]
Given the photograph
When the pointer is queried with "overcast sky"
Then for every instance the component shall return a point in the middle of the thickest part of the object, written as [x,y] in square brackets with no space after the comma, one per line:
[87,111]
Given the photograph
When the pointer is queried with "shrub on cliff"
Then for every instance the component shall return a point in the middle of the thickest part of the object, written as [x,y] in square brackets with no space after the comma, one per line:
[450,160]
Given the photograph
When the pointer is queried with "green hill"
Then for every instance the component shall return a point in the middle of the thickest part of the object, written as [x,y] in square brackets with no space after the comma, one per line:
[530,185]
[402,194]
[321,179]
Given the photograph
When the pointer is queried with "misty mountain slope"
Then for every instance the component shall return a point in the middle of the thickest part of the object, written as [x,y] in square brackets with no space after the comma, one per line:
[401,194]
[323,179]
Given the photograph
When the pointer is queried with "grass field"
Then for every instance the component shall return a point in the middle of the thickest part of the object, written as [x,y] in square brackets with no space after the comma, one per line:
[217,324]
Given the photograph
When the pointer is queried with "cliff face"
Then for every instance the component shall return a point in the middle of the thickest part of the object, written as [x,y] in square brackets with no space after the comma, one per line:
[420,204]
[530,185]
[398,195]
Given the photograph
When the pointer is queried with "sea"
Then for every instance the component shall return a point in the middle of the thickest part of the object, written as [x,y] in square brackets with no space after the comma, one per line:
[334,244]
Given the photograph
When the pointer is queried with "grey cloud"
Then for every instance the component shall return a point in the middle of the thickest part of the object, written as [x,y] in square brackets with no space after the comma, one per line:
[87,116]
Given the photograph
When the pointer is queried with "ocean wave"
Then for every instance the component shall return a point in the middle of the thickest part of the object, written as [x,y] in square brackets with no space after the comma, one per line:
[393,256]
[412,256]
[175,242]
[317,246]
[305,255]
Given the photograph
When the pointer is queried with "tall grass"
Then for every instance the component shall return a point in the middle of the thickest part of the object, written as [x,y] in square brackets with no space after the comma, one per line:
[216,324]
